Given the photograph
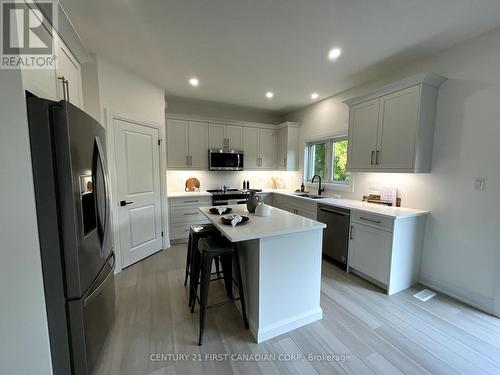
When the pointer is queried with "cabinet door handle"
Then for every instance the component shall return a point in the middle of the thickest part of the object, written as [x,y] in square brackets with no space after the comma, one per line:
[376,157]
[191,160]
[370,220]
[190,213]
[371,158]
[193,201]
[187,160]
[352,232]
[67,90]
[63,83]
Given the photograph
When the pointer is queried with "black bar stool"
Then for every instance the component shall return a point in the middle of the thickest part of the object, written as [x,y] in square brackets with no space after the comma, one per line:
[195,233]
[209,249]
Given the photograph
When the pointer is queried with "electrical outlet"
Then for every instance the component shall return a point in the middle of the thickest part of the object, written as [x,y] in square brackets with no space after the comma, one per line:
[479,183]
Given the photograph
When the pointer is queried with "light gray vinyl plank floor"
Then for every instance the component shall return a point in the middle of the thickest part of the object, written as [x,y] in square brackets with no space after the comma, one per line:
[377,333]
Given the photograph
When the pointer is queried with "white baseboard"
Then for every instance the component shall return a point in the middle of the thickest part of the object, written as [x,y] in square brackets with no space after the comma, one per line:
[466,296]
[268,332]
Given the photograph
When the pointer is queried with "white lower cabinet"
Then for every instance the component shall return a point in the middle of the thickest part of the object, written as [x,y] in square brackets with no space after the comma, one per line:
[184,213]
[296,205]
[266,198]
[371,251]
[386,251]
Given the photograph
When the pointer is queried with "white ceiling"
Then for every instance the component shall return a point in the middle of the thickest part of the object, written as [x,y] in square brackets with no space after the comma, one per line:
[239,49]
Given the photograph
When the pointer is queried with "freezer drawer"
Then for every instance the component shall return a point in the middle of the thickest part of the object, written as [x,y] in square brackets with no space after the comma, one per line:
[91,319]
[336,234]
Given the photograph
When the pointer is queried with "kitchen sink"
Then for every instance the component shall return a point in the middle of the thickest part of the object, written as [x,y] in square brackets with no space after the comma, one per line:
[310,196]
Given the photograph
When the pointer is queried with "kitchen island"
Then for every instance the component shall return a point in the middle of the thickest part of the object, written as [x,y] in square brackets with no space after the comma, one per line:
[280,258]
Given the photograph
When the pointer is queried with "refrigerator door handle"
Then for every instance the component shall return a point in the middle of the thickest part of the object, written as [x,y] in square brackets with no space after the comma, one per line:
[98,289]
[106,193]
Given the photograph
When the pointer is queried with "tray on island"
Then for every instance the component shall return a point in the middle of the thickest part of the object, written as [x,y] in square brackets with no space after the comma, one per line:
[227,219]
[215,211]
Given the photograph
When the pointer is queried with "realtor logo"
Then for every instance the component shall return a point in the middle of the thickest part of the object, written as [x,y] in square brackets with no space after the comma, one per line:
[27,40]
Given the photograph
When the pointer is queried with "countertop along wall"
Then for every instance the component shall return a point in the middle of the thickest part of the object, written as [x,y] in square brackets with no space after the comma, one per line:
[461,250]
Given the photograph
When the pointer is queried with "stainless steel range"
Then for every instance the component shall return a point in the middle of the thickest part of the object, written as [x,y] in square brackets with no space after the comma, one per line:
[230,196]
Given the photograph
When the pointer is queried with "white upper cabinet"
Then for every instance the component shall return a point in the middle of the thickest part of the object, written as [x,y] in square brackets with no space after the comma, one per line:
[251,148]
[69,76]
[392,129]
[177,143]
[187,144]
[259,146]
[41,82]
[363,124]
[398,118]
[234,136]
[198,144]
[288,148]
[216,136]
[267,148]
[190,137]
[225,136]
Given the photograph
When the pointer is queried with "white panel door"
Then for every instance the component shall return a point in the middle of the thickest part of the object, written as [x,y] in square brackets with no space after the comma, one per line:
[216,136]
[363,123]
[398,129]
[267,148]
[177,144]
[198,144]
[138,188]
[250,147]
[234,135]
[370,252]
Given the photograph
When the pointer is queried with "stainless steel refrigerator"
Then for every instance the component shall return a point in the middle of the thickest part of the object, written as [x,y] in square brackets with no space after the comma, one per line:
[72,200]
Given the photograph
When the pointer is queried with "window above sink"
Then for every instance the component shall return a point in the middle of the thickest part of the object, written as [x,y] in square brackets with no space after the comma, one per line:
[327,157]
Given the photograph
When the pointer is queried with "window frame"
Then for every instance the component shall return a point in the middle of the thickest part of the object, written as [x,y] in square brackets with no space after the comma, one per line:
[328,182]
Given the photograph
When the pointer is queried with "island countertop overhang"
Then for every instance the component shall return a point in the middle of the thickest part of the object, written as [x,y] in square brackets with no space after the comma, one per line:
[279,223]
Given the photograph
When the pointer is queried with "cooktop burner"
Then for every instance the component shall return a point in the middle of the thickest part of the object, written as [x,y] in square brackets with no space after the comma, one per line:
[233,191]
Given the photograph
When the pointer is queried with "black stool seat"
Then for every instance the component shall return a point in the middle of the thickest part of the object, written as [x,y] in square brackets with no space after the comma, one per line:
[211,248]
[196,232]
[215,245]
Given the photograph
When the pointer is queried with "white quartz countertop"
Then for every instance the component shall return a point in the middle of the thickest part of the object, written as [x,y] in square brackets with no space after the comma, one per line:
[182,194]
[278,223]
[360,206]
[351,204]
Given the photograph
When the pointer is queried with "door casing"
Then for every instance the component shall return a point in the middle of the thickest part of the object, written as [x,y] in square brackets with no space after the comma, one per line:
[114,199]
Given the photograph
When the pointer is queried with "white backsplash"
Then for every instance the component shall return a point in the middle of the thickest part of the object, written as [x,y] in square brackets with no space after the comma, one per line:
[214,180]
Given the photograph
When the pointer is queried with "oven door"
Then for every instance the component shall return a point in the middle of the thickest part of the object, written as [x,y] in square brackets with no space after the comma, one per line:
[225,160]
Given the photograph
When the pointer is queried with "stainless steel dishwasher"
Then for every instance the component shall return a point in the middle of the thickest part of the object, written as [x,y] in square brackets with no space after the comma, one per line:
[336,234]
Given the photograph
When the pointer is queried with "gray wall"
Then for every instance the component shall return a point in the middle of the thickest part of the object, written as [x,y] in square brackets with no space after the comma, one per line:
[220,111]
[24,340]
[462,238]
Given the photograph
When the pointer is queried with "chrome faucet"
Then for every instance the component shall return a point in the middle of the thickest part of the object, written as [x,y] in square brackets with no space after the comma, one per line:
[320,189]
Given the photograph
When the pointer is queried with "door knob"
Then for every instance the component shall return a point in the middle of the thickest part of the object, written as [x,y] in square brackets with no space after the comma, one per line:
[124,203]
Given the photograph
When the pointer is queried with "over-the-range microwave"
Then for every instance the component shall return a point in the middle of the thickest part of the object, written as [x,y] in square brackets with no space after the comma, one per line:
[223,159]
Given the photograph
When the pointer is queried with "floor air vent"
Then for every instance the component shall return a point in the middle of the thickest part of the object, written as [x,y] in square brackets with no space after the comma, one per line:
[424,295]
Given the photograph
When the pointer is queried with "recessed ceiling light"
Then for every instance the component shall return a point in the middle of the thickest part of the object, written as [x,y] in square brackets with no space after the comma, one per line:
[334,53]
[194,82]
[269,95]
[314,95]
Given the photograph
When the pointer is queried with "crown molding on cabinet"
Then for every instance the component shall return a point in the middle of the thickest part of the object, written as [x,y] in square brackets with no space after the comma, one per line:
[427,78]
[180,116]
